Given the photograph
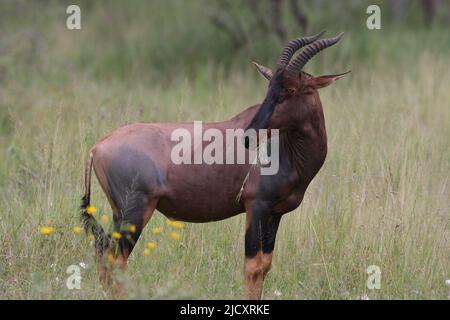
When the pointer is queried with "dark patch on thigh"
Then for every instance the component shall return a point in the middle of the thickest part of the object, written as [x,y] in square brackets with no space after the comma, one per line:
[132,177]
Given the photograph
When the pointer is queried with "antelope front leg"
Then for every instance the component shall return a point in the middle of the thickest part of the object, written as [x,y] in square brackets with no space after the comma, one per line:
[259,243]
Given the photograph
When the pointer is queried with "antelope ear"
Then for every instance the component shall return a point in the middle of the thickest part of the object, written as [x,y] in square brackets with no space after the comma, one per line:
[266,72]
[323,81]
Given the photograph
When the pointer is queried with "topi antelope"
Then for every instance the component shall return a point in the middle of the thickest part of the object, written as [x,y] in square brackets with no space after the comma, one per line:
[134,168]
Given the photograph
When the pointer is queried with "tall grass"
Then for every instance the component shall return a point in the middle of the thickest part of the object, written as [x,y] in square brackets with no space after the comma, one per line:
[382,197]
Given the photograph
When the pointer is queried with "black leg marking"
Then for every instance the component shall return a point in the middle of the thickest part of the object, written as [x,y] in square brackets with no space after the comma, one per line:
[261,233]
[271,232]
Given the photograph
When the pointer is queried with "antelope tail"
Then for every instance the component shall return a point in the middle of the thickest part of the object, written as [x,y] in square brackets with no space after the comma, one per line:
[91,225]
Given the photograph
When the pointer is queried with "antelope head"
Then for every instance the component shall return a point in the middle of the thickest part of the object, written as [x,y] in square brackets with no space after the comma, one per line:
[292,93]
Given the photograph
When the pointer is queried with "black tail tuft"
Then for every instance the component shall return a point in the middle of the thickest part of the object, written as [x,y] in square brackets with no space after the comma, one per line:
[84,202]
[91,226]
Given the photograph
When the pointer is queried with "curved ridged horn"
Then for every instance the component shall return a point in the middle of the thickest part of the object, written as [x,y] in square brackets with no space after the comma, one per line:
[293,46]
[310,51]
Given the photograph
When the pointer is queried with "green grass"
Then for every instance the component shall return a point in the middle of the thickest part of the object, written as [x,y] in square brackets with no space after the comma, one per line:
[382,197]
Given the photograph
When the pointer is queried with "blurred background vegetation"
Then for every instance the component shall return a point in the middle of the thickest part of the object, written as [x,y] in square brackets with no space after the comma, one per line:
[157,40]
[381,198]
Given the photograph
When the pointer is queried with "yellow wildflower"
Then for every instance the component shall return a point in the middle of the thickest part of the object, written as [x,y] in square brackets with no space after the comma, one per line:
[132,228]
[177,224]
[47,230]
[174,223]
[175,235]
[91,210]
[116,235]
[157,230]
[151,245]
[105,219]
[76,229]
[147,251]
